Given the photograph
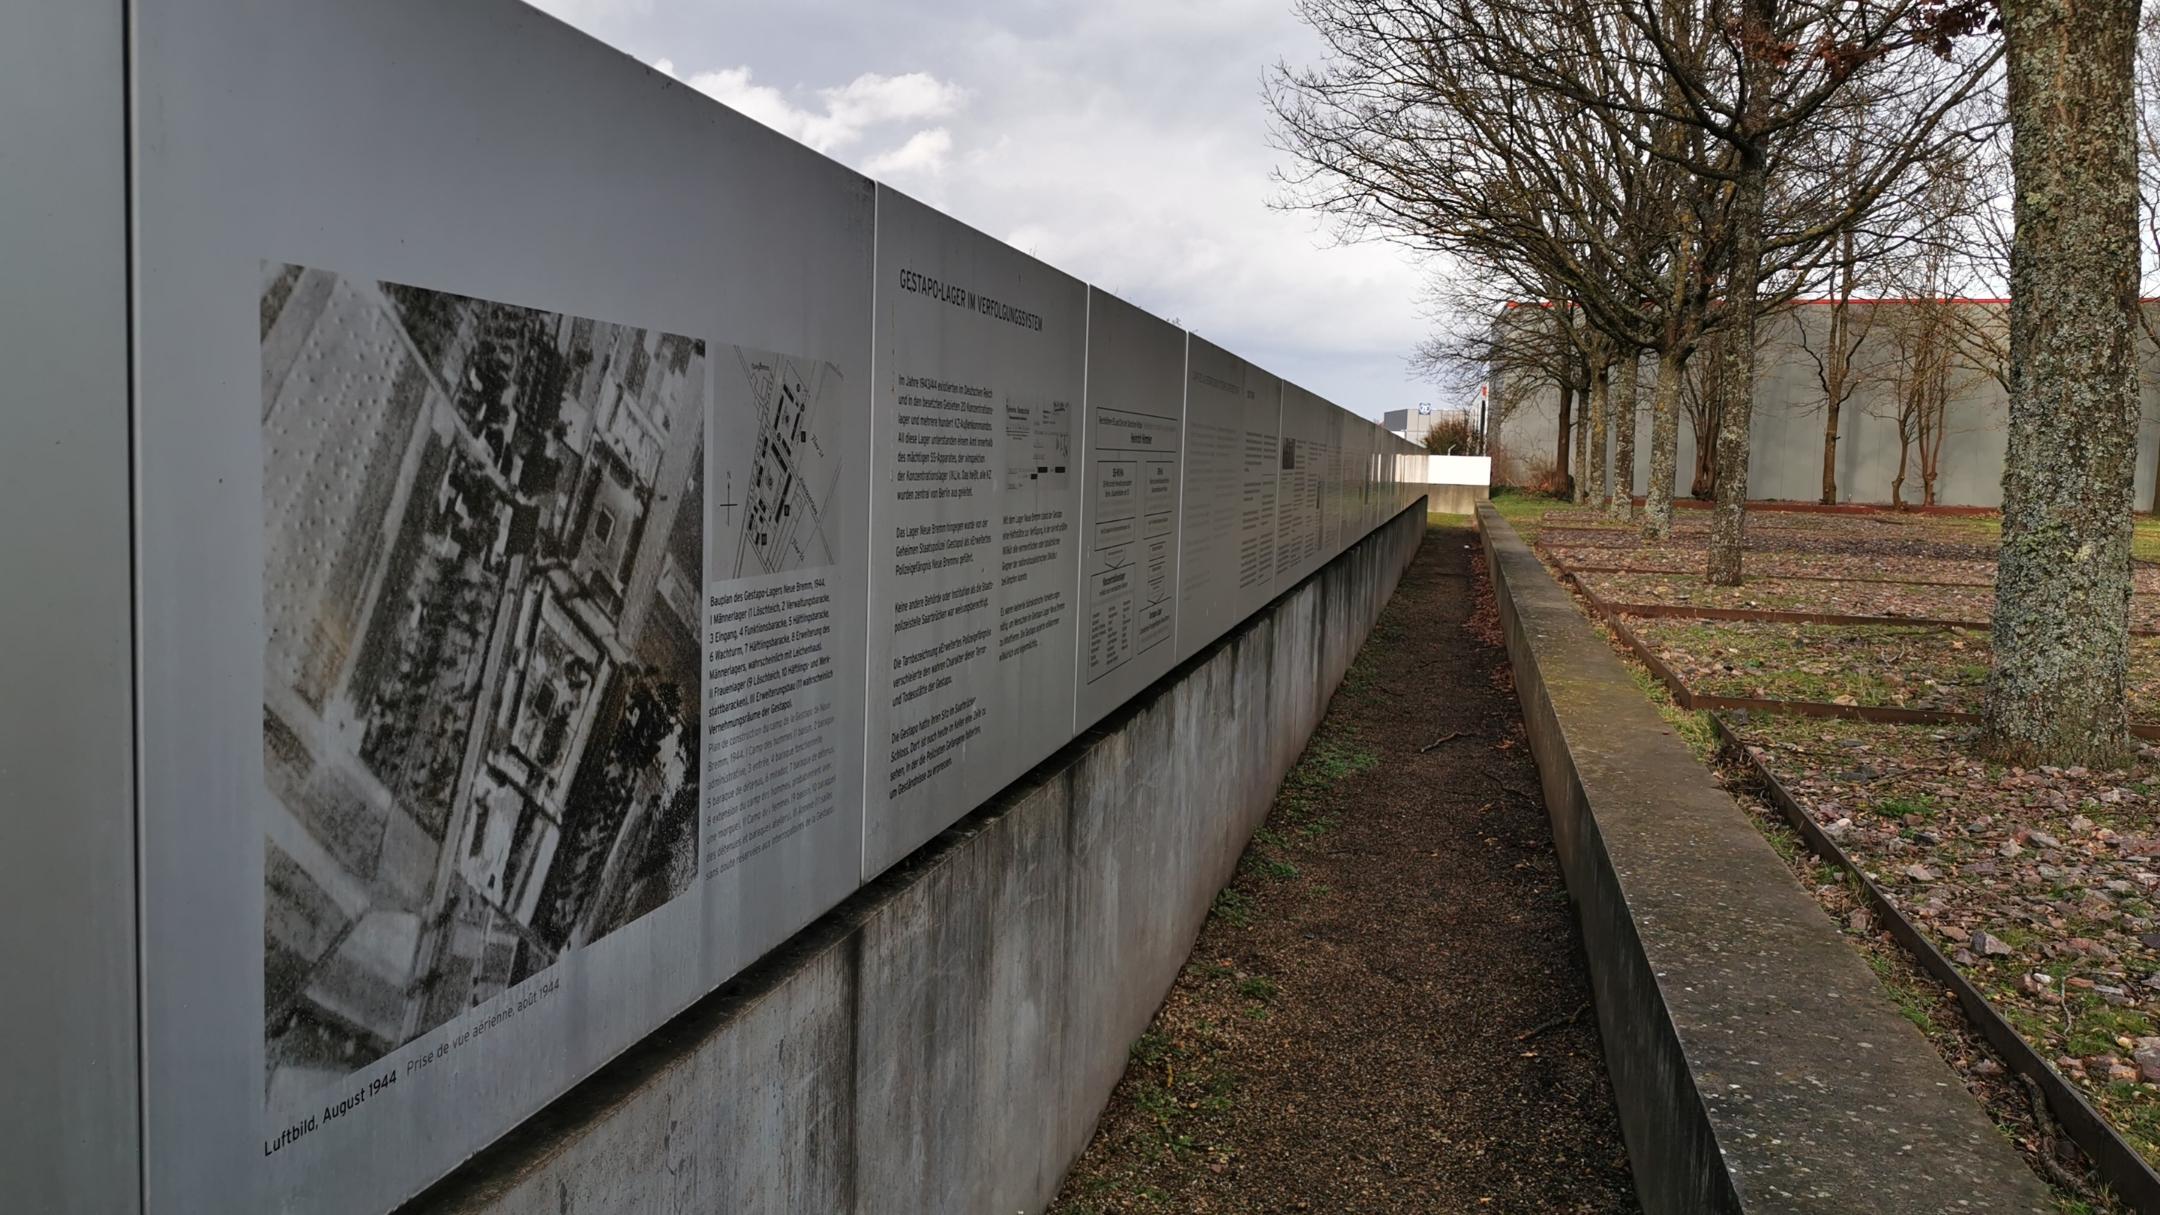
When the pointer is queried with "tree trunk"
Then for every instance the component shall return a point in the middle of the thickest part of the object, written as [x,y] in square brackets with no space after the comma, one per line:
[1664,445]
[1582,446]
[2062,588]
[1751,183]
[1728,517]
[1837,369]
[1624,419]
[1704,482]
[1904,460]
[1599,473]
[1829,453]
[1567,406]
[1932,422]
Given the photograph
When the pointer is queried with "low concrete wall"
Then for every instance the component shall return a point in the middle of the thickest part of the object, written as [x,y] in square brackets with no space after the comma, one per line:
[1457,483]
[1458,499]
[944,1041]
[1757,1064]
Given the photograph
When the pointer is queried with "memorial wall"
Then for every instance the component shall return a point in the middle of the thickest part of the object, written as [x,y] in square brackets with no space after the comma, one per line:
[1226,534]
[582,537]
[982,353]
[1129,518]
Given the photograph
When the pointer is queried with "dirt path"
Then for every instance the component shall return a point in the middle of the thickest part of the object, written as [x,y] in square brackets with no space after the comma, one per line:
[1387,1011]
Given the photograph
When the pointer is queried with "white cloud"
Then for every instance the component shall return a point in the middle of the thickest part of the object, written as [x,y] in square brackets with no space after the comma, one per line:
[871,99]
[733,88]
[842,115]
[924,153]
[1124,142]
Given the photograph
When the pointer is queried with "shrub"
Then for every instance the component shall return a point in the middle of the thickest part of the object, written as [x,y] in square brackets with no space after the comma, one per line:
[1451,434]
[1534,477]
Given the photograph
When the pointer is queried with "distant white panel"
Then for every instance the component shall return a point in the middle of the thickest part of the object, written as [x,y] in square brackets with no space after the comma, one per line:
[1457,470]
[975,521]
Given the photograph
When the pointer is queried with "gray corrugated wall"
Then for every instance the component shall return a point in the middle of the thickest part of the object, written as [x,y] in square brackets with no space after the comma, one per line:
[1786,459]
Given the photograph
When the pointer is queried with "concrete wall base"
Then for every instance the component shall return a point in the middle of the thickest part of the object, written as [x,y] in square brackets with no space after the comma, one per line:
[1457,499]
[1757,1063]
[944,1041]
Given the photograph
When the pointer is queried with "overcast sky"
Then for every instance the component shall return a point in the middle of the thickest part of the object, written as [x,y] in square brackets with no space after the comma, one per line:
[1123,141]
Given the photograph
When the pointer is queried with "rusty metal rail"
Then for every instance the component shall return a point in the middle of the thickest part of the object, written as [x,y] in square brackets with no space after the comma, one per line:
[1862,578]
[2117,1163]
[1614,617]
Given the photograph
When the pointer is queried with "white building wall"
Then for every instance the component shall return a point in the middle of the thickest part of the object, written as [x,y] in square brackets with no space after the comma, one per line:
[1785,462]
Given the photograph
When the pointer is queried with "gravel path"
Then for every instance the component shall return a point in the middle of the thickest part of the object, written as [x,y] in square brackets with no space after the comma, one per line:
[1388,1010]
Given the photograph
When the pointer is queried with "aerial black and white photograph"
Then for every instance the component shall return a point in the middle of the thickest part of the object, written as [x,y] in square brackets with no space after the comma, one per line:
[776,462]
[482,559]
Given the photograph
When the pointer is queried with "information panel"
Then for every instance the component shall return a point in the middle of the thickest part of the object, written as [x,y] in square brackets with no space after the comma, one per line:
[1358,459]
[1129,518]
[974,524]
[1335,493]
[1302,473]
[1226,545]
[504,418]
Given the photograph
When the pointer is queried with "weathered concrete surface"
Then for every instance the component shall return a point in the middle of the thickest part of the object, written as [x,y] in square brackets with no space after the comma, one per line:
[1757,1064]
[943,1042]
[1458,499]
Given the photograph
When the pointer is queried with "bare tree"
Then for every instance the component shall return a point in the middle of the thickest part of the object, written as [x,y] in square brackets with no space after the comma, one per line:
[1932,326]
[1760,80]
[1706,392]
[1406,134]
[1703,393]
[1519,351]
[2147,83]
[1835,353]
[1925,378]
[2148,138]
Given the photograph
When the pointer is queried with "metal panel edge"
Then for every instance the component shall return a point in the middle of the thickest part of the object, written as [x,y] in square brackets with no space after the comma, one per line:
[70,1138]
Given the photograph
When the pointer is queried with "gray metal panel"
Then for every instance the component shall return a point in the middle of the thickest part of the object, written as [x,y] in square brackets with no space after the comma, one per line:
[1226,545]
[437,306]
[1359,453]
[68,1120]
[1130,509]
[1263,489]
[1340,495]
[974,524]
[1300,484]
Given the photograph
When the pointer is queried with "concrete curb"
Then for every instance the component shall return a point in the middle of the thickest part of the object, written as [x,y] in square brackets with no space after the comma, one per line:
[2113,1159]
[1757,1064]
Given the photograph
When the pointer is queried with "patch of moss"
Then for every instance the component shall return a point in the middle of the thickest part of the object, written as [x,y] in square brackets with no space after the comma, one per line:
[1234,907]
